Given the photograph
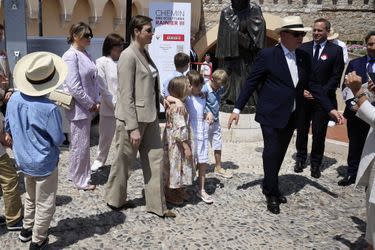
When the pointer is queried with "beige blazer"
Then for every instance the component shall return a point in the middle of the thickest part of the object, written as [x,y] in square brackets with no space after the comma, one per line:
[138,91]
[367,113]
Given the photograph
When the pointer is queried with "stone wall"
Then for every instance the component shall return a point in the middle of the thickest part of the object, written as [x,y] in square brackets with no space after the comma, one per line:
[352,19]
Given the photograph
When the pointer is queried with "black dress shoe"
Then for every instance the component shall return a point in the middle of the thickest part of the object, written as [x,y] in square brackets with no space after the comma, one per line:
[298,168]
[315,172]
[282,199]
[273,204]
[347,181]
[127,205]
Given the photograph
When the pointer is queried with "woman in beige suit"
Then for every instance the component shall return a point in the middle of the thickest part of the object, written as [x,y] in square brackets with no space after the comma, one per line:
[137,125]
[366,170]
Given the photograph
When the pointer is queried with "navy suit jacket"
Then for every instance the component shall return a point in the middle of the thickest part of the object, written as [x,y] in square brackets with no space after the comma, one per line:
[277,93]
[359,66]
[329,67]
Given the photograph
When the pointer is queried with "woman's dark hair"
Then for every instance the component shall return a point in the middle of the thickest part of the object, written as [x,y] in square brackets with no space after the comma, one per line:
[110,41]
[80,29]
[137,22]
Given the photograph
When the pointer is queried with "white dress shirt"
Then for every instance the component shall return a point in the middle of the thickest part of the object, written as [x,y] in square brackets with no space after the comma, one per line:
[322,45]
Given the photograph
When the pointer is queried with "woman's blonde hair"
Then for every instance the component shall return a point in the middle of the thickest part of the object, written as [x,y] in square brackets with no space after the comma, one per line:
[178,87]
[220,76]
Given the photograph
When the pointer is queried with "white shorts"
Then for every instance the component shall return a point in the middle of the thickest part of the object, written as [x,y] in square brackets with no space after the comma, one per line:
[200,147]
[214,135]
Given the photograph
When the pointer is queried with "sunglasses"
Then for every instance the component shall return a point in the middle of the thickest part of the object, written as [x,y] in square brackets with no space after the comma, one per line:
[88,35]
[150,30]
[297,34]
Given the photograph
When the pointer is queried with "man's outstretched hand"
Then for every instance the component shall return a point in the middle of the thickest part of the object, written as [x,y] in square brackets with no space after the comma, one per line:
[233,117]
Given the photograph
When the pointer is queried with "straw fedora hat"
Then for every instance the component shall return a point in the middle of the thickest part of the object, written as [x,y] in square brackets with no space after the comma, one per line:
[332,34]
[39,73]
[293,23]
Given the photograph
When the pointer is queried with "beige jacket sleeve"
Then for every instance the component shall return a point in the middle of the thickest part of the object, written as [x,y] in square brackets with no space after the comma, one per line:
[125,106]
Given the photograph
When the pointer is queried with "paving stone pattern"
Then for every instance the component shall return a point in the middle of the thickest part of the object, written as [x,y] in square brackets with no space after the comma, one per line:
[319,214]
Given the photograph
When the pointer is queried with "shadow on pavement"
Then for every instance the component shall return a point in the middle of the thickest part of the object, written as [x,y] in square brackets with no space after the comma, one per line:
[211,184]
[291,184]
[71,230]
[341,170]
[360,243]
[226,165]
[100,177]
[326,162]
[62,200]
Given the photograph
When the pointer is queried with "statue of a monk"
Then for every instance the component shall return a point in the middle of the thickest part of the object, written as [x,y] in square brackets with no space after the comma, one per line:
[242,34]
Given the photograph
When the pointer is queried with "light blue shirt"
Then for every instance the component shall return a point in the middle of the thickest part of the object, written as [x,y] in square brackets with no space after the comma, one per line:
[165,91]
[36,129]
[213,99]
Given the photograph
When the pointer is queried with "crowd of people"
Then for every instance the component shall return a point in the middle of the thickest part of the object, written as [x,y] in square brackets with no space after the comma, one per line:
[297,85]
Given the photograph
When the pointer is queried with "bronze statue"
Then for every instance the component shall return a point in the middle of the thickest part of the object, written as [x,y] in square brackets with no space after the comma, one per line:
[242,34]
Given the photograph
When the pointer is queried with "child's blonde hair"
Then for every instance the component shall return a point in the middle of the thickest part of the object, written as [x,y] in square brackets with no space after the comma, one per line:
[220,76]
[195,79]
[178,87]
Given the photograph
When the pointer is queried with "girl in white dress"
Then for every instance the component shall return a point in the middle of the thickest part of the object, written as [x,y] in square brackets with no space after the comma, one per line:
[107,70]
[195,105]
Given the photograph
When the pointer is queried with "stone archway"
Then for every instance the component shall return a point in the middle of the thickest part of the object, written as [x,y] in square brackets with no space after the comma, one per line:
[208,40]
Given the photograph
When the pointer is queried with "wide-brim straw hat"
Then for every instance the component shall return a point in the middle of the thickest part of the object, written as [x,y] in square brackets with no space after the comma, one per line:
[332,35]
[39,73]
[293,23]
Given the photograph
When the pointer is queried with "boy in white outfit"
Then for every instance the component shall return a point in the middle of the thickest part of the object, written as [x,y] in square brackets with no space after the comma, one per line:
[214,89]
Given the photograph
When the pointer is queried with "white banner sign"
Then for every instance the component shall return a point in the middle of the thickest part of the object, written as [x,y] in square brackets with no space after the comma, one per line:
[172,23]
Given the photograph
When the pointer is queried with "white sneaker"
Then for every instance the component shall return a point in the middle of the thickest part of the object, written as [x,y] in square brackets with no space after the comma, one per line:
[205,197]
[223,173]
[331,123]
[96,165]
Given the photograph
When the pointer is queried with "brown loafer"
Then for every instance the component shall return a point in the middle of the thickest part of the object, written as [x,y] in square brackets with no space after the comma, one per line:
[169,214]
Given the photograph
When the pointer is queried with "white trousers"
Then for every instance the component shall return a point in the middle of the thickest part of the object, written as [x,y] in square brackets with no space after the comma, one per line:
[107,127]
[370,228]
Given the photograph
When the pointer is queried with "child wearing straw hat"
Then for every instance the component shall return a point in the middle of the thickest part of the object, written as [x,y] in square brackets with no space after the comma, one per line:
[34,123]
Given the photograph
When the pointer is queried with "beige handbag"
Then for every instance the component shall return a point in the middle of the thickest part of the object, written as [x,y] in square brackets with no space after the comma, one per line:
[62,98]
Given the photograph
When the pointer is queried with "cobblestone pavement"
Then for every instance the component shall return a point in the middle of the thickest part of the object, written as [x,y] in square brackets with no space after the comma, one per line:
[319,214]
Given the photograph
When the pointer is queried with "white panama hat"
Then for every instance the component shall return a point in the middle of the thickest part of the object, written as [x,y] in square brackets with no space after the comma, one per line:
[293,23]
[39,73]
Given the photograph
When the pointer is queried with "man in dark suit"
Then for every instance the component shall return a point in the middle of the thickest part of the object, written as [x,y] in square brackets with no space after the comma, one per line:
[357,129]
[193,54]
[283,72]
[328,65]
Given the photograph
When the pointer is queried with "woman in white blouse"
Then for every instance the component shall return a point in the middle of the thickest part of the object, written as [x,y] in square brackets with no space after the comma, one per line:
[107,70]
[366,169]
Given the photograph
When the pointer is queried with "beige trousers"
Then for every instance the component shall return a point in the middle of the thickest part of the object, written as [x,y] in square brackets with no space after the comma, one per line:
[11,193]
[151,153]
[40,204]
[370,228]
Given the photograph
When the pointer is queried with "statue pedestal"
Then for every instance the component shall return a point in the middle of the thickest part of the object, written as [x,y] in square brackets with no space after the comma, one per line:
[247,129]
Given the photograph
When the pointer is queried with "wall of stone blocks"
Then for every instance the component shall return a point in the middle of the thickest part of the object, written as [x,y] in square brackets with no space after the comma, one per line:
[352,19]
